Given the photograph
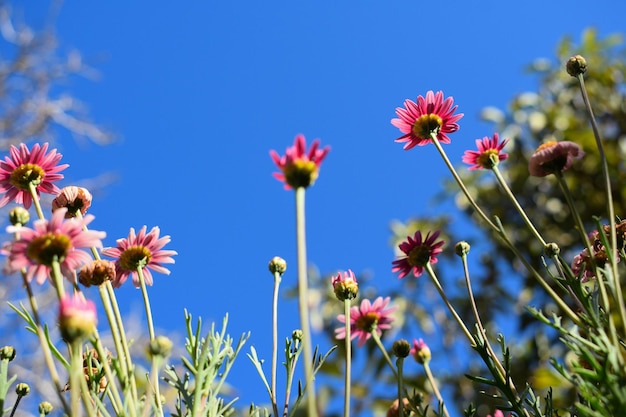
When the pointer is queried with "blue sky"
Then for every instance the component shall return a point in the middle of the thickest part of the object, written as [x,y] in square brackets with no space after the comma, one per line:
[200,92]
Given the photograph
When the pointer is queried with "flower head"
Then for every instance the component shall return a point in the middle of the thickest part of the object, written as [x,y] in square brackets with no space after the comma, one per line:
[367,318]
[299,168]
[75,199]
[418,120]
[488,154]
[96,272]
[345,285]
[419,252]
[56,240]
[421,351]
[552,157]
[22,167]
[77,317]
[143,251]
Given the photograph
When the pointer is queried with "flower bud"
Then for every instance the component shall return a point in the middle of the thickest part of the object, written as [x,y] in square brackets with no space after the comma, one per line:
[22,389]
[296,335]
[7,353]
[421,351]
[19,216]
[345,286]
[576,65]
[401,348]
[462,248]
[551,249]
[77,318]
[45,408]
[160,346]
[278,265]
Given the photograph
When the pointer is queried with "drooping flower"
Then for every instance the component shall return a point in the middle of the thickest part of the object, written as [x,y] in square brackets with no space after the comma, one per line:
[75,199]
[77,317]
[367,318]
[552,157]
[299,168]
[143,251]
[96,272]
[23,167]
[54,240]
[419,252]
[421,351]
[345,285]
[488,154]
[418,120]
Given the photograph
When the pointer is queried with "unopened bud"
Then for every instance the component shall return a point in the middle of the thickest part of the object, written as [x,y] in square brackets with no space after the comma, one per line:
[278,265]
[45,408]
[22,389]
[462,248]
[401,348]
[19,216]
[160,346]
[576,65]
[7,353]
[551,249]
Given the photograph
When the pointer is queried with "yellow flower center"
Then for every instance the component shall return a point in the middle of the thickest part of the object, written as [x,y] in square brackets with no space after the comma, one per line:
[26,174]
[488,159]
[135,257]
[427,124]
[367,322]
[49,248]
[300,173]
[419,256]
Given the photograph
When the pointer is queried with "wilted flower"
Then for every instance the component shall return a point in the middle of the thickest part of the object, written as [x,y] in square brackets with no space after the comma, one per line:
[345,285]
[75,199]
[419,252]
[552,157]
[421,351]
[77,318]
[50,241]
[488,154]
[299,168]
[418,120]
[140,251]
[367,318]
[96,272]
[24,167]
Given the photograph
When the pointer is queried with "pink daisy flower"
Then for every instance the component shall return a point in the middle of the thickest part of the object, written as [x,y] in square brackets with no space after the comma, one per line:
[488,154]
[419,252]
[24,167]
[299,168]
[77,317]
[552,157]
[429,115]
[57,239]
[140,251]
[367,318]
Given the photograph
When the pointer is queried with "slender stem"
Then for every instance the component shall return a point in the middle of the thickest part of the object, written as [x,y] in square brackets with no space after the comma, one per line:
[376,338]
[519,208]
[303,301]
[57,278]
[433,384]
[76,373]
[116,399]
[277,279]
[609,200]
[460,183]
[146,302]
[348,375]
[448,304]
[399,365]
[33,193]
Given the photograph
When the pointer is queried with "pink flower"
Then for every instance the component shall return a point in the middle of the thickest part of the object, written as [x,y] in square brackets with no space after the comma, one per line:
[24,167]
[419,252]
[429,115]
[75,199]
[488,154]
[552,157]
[77,317]
[140,251]
[57,239]
[299,168]
[499,413]
[421,351]
[367,318]
[345,285]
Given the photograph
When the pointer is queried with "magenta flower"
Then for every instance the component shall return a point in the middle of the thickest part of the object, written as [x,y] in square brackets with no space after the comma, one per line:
[419,252]
[24,167]
[299,168]
[429,115]
[143,251]
[552,157]
[50,241]
[345,285]
[367,318]
[420,351]
[77,318]
[488,154]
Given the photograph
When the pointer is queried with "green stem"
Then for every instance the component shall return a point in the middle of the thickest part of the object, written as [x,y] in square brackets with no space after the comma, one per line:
[33,193]
[399,365]
[433,384]
[348,375]
[57,278]
[76,373]
[448,304]
[519,208]
[277,279]
[146,302]
[376,338]
[303,301]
